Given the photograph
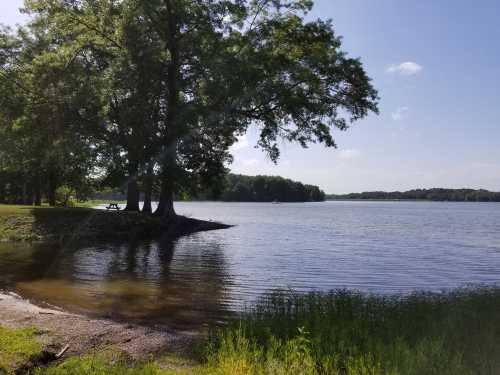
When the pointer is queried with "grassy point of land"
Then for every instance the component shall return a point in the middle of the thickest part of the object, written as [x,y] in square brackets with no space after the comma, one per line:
[26,223]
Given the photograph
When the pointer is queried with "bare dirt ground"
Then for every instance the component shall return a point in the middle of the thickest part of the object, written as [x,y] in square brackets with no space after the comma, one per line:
[86,335]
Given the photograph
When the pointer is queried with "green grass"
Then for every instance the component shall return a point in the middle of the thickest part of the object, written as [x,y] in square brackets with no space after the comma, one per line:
[97,202]
[106,364]
[27,223]
[350,333]
[17,346]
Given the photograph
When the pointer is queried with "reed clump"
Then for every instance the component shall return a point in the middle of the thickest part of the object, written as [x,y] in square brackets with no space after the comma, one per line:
[345,332]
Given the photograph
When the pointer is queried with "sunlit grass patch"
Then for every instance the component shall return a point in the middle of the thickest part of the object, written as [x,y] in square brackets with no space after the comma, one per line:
[107,364]
[17,346]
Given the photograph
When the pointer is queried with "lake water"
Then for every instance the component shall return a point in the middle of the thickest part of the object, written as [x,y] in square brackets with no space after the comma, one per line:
[377,247]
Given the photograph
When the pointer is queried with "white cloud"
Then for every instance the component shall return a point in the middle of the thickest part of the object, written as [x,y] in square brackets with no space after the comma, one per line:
[400,114]
[408,68]
[349,154]
[241,143]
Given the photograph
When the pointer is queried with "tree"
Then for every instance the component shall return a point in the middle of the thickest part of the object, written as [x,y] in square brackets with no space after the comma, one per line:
[232,64]
[181,79]
[45,120]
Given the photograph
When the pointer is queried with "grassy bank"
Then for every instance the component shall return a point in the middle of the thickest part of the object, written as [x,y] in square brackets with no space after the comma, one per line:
[18,223]
[17,348]
[97,202]
[26,223]
[343,333]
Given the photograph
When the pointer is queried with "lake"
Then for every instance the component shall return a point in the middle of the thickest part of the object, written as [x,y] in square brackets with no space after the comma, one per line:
[376,247]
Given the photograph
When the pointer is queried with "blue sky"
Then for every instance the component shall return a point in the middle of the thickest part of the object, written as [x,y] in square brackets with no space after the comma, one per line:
[436,65]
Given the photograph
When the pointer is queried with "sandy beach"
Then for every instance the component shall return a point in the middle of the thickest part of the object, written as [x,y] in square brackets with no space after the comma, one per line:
[85,335]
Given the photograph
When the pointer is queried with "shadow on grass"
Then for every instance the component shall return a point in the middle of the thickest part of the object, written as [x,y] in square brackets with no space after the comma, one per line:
[88,223]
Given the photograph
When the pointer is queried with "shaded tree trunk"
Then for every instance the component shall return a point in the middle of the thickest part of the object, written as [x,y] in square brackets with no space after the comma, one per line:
[170,158]
[51,189]
[38,190]
[148,190]
[132,194]
[51,197]
[169,213]
[29,195]
[165,208]
[161,202]
[25,193]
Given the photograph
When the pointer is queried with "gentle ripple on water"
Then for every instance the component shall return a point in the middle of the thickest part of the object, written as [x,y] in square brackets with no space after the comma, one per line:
[380,247]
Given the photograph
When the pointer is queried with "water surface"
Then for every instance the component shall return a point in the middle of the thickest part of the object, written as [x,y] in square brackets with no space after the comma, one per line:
[379,247]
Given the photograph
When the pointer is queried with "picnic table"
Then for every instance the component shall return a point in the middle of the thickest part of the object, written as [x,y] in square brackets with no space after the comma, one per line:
[113,206]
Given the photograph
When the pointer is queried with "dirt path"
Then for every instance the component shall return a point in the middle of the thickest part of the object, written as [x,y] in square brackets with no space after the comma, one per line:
[86,335]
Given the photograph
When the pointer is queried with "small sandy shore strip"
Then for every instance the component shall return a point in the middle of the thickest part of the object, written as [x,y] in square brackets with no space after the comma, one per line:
[86,335]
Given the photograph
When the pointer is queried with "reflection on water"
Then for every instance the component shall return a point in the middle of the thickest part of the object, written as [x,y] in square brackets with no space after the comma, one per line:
[381,247]
[139,282]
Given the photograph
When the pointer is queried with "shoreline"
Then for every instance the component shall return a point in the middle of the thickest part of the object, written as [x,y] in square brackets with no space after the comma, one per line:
[29,224]
[85,335]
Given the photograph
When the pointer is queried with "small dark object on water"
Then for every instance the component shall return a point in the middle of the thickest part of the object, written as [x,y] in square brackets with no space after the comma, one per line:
[113,206]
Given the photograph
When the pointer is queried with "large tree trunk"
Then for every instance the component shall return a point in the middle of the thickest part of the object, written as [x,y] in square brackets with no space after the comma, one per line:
[161,204]
[51,196]
[166,208]
[132,189]
[52,187]
[25,193]
[169,213]
[29,194]
[172,132]
[148,190]
[38,190]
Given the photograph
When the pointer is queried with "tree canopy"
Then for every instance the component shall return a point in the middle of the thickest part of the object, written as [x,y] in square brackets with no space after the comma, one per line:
[455,195]
[240,188]
[151,94]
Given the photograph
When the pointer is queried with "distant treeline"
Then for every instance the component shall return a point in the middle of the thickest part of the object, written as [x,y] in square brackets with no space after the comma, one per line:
[240,188]
[455,195]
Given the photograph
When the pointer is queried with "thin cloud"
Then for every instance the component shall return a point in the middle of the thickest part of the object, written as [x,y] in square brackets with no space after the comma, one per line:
[349,154]
[408,68]
[400,114]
